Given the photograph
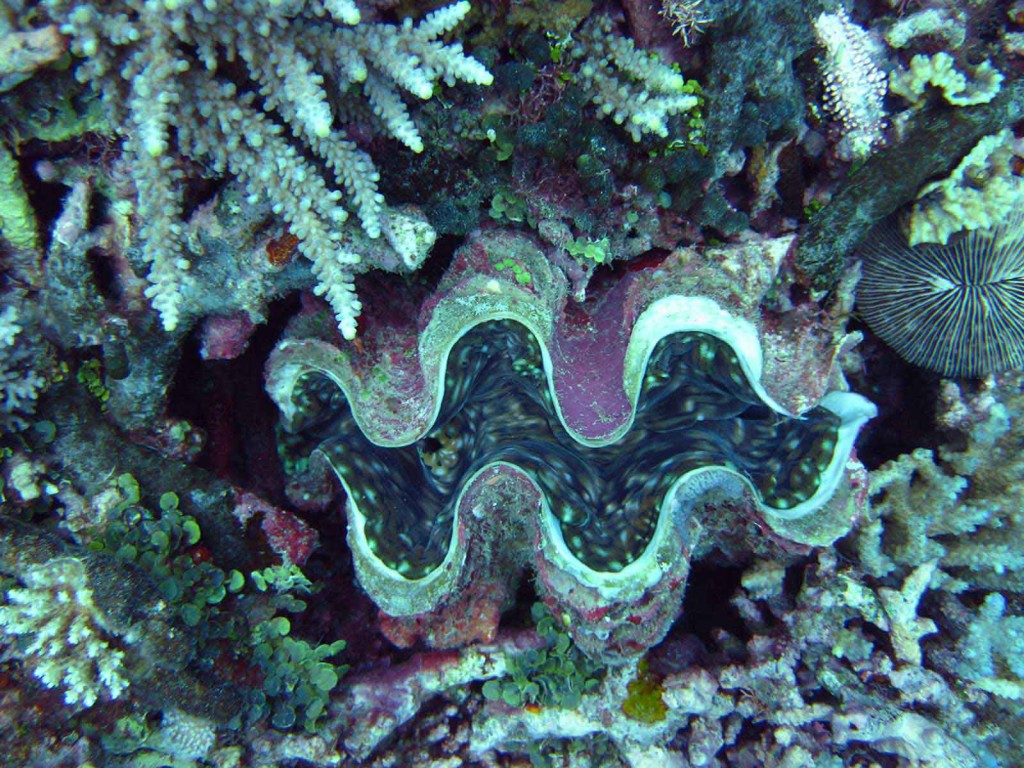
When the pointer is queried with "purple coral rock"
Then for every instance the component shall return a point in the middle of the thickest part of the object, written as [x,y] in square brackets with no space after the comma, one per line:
[504,427]
[225,338]
[291,538]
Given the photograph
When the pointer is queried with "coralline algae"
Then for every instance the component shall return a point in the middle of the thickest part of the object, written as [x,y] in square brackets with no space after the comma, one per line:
[505,427]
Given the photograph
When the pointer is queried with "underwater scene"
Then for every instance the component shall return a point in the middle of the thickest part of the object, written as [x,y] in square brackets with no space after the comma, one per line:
[511,383]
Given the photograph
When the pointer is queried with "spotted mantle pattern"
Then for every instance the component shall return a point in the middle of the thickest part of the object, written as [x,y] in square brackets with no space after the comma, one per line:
[486,466]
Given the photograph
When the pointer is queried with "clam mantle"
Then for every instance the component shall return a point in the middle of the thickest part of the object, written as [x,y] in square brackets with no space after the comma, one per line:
[507,427]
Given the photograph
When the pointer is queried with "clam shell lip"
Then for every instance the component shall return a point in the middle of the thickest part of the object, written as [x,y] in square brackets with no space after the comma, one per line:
[675,528]
[663,317]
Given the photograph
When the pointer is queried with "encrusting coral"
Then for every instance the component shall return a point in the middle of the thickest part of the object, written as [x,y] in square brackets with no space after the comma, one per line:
[17,226]
[939,71]
[980,193]
[170,73]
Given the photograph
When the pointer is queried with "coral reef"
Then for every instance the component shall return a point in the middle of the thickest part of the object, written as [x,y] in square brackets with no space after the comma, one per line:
[353,414]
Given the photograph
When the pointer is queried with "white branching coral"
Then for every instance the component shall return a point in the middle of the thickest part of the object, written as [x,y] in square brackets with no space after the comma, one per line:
[176,74]
[20,382]
[855,86]
[905,627]
[962,507]
[637,90]
[990,651]
[66,645]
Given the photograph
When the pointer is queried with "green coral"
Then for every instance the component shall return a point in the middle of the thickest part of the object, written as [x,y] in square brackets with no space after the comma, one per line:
[507,207]
[90,376]
[519,272]
[17,218]
[596,251]
[160,543]
[990,654]
[556,675]
[644,702]
[298,677]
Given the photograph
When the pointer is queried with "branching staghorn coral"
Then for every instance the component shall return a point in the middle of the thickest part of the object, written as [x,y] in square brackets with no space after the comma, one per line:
[176,75]
[989,653]
[955,517]
[634,87]
[962,507]
[69,646]
[21,363]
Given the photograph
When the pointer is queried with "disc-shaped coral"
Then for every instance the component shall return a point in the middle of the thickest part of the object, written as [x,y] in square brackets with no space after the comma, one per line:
[957,309]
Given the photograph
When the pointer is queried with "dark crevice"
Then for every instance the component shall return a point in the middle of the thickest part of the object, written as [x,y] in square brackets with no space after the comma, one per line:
[906,396]
[226,399]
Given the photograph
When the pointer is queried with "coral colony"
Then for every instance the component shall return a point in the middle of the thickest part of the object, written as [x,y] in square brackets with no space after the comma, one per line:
[589,383]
